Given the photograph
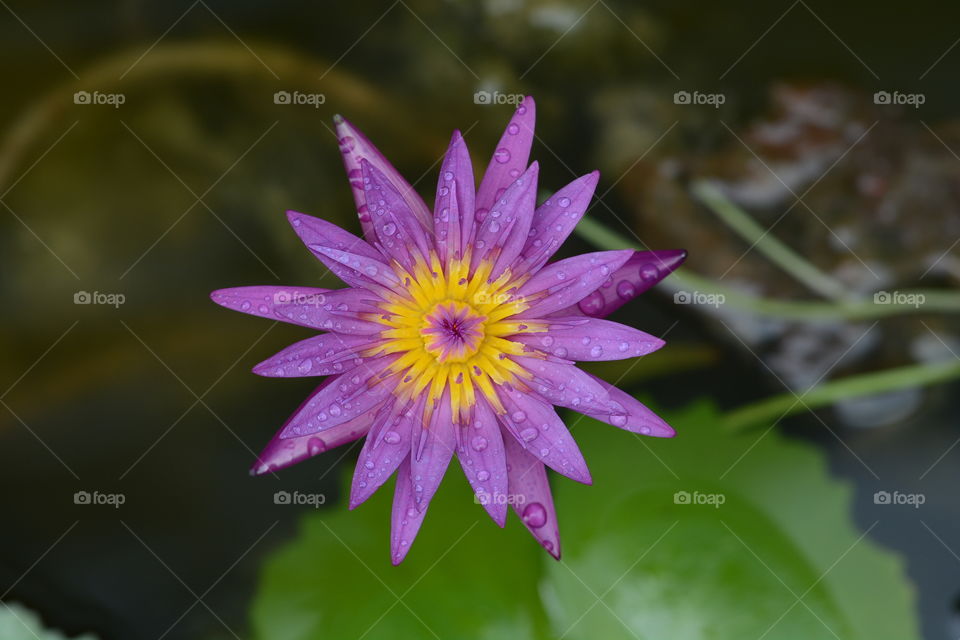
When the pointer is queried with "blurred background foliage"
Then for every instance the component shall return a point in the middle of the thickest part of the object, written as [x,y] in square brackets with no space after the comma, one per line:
[181,189]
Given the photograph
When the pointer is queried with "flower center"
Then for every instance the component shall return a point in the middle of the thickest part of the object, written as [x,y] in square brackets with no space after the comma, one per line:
[452,331]
[451,328]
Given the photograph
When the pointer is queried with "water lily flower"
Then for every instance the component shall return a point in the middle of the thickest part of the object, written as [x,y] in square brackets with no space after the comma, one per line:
[456,335]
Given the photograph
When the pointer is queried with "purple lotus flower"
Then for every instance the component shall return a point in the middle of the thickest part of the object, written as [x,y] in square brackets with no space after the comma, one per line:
[455,335]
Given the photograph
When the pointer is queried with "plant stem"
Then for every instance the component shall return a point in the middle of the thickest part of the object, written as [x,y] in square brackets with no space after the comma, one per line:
[766,243]
[924,300]
[780,406]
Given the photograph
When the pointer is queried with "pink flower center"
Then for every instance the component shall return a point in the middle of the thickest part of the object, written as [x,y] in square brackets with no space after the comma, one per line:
[452,331]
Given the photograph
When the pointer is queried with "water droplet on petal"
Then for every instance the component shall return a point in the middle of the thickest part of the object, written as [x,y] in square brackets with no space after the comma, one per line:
[315,446]
[479,443]
[391,437]
[519,416]
[535,516]
[626,290]
[596,352]
[513,129]
[618,419]
[389,229]
[483,475]
[649,273]
[528,434]
[502,155]
[563,203]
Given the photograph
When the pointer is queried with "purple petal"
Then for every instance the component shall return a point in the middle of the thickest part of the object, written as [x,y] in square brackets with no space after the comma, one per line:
[579,338]
[626,412]
[511,156]
[341,311]
[263,300]
[406,519]
[566,282]
[342,398]
[431,450]
[483,460]
[347,256]
[453,211]
[516,217]
[539,430]
[284,452]
[554,220]
[497,229]
[395,228]
[563,384]
[324,355]
[387,445]
[355,147]
[531,497]
[643,270]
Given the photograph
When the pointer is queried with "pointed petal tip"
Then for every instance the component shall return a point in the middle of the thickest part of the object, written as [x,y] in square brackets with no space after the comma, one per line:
[337,118]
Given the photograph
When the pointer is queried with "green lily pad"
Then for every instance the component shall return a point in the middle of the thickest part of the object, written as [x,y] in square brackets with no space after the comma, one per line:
[758,543]
[463,578]
[704,537]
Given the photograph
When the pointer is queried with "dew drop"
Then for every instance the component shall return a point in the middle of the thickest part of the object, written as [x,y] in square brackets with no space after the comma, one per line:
[479,443]
[315,446]
[483,475]
[563,203]
[626,290]
[389,229]
[535,516]
[597,351]
[528,434]
[502,155]
[649,273]
[513,129]
[391,437]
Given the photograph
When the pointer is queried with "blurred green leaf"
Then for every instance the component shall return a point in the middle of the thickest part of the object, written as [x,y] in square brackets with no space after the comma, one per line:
[19,623]
[779,558]
[639,565]
[463,578]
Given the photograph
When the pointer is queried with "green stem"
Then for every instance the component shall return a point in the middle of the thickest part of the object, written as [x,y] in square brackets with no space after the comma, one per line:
[906,301]
[780,406]
[766,243]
